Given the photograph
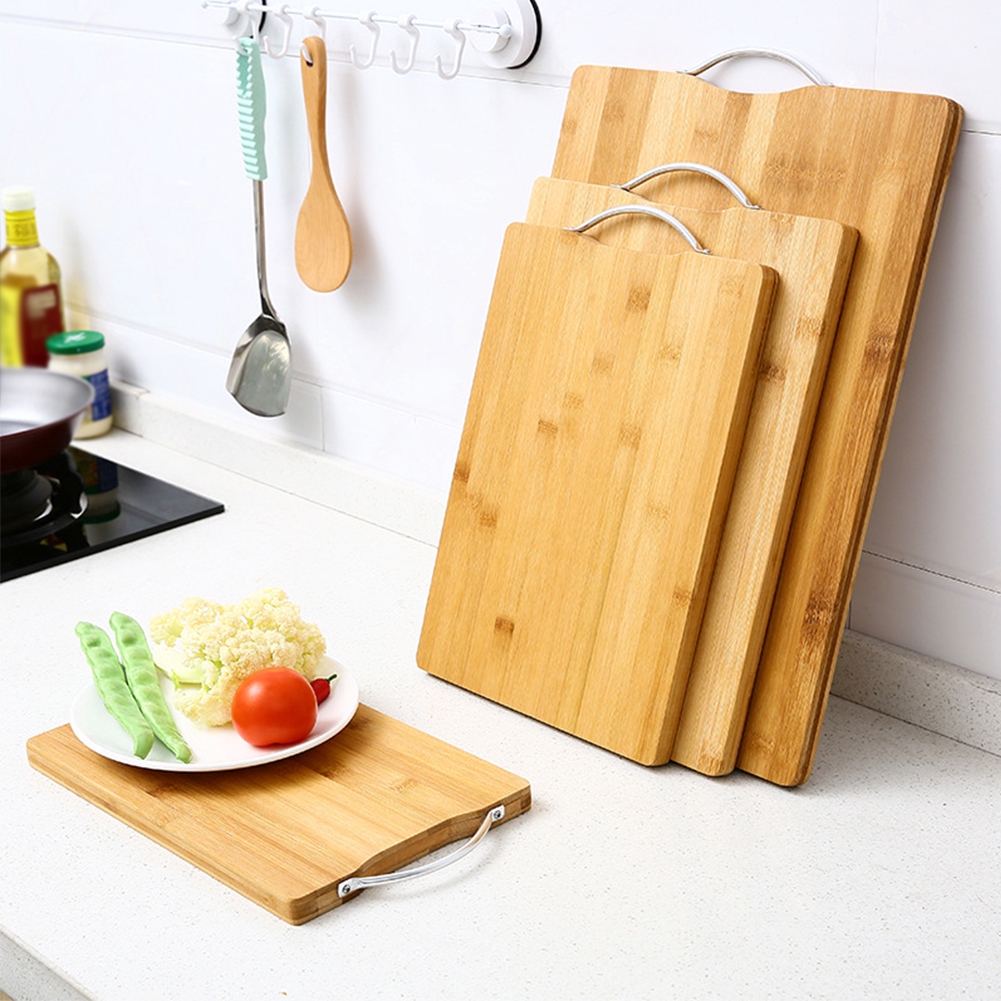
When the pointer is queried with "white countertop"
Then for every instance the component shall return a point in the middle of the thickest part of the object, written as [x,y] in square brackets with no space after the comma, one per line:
[877,879]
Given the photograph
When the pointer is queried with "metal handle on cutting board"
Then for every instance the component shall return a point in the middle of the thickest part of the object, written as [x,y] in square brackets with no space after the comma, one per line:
[811,74]
[354,883]
[641,210]
[699,168]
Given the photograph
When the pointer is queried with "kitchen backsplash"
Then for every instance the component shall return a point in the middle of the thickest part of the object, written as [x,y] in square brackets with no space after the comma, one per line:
[123,117]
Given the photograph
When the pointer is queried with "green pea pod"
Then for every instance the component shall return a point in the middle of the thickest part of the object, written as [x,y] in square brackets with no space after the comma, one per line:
[112,686]
[140,673]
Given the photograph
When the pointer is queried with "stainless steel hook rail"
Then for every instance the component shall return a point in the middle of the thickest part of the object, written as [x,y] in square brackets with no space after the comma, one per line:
[641,210]
[508,43]
[354,883]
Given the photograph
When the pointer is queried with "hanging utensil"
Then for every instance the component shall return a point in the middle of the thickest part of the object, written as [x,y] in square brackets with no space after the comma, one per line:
[260,374]
[322,234]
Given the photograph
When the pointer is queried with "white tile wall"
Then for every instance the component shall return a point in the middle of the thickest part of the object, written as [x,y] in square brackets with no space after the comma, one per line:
[937,48]
[122,115]
[940,490]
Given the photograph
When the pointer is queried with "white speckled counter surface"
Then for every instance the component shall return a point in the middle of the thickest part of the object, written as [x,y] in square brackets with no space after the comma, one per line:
[878,879]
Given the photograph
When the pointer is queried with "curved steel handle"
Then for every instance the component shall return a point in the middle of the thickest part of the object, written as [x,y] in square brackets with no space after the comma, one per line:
[641,210]
[811,74]
[699,168]
[353,883]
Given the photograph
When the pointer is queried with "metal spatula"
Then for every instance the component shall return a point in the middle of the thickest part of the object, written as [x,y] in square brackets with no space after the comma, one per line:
[260,374]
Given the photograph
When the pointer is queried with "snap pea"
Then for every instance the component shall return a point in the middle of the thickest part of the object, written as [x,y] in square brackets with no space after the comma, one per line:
[140,673]
[112,686]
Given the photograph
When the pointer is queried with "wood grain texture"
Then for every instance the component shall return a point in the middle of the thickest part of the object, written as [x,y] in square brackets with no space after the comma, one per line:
[374,798]
[323,244]
[874,160]
[813,259]
[607,413]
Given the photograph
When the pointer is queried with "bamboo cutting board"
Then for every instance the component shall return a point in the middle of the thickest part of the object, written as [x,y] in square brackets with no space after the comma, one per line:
[377,796]
[874,160]
[606,416]
[812,258]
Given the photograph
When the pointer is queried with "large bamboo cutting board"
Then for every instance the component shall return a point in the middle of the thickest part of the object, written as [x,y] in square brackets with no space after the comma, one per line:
[812,258]
[874,160]
[606,416]
[376,797]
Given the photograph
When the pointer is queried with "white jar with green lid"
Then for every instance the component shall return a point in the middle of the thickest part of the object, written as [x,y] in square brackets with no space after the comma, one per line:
[81,352]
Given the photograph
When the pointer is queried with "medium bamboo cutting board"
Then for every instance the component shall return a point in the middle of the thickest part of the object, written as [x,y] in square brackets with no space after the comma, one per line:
[375,797]
[874,160]
[606,416]
[812,258]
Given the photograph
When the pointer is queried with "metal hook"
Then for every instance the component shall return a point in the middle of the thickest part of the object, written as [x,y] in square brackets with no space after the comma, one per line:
[313,14]
[452,28]
[407,24]
[368,19]
[243,12]
[286,19]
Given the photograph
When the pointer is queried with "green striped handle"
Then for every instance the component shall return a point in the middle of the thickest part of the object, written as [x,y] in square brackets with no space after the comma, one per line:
[252,106]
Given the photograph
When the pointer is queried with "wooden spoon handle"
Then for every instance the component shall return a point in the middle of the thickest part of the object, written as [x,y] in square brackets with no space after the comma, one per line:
[314,89]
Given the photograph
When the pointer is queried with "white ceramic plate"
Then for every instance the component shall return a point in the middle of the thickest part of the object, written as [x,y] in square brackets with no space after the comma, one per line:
[213,749]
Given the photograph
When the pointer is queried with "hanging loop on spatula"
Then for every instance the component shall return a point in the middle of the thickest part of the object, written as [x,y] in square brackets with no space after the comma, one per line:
[349,886]
[641,210]
[783,57]
[699,168]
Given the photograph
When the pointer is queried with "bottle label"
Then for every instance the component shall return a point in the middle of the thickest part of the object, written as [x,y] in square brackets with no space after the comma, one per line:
[40,316]
[101,407]
[22,230]
[11,354]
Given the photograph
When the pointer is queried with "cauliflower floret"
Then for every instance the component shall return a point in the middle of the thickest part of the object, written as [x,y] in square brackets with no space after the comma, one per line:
[214,647]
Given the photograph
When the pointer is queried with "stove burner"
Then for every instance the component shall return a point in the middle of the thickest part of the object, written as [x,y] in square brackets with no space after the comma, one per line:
[35,503]
[77,504]
[25,497]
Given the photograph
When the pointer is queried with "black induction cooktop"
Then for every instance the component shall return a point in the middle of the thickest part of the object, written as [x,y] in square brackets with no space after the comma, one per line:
[78,504]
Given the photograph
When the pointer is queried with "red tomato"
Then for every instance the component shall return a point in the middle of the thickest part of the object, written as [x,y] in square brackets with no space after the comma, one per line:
[274,706]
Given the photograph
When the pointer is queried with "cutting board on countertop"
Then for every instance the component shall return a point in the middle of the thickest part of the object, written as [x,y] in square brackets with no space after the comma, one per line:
[874,160]
[813,259]
[376,797]
[607,412]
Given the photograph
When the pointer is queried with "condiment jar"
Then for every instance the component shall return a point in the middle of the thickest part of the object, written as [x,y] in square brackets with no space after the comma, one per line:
[81,352]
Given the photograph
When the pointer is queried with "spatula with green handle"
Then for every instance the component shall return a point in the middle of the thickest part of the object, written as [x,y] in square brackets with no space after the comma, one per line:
[260,374]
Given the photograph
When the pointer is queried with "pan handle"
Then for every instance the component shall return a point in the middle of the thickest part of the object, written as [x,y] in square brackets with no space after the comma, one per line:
[699,168]
[641,210]
[811,74]
[352,884]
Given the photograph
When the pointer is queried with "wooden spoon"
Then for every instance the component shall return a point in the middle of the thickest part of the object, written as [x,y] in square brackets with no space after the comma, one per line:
[322,233]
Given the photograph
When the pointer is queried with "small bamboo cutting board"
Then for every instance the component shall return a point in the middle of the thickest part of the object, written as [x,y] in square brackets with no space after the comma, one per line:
[606,416]
[375,797]
[874,160]
[813,259]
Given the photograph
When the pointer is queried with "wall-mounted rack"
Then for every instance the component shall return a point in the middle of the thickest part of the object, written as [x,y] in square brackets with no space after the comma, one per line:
[505,34]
